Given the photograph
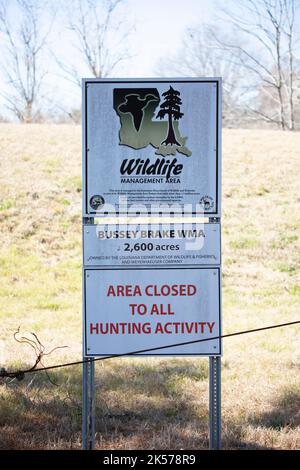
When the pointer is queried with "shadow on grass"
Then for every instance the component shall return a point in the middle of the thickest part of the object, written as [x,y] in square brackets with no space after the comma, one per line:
[35,414]
[160,404]
[133,399]
[285,411]
[283,416]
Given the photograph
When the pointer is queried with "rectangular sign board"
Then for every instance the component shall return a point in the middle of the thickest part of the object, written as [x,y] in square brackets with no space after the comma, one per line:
[182,245]
[132,310]
[151,146]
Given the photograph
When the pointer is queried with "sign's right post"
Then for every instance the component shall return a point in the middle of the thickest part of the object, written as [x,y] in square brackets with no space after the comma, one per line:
[215,403]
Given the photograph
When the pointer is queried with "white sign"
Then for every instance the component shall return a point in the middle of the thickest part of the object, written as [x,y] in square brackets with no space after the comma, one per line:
[184,245]
[151,145]
[131,310]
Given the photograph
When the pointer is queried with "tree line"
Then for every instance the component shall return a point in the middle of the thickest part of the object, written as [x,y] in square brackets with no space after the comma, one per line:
[252,44]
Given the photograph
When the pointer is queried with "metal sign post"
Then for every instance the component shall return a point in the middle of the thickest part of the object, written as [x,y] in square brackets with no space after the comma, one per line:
[215,419]
[88,411]
[215,403]
[88,390]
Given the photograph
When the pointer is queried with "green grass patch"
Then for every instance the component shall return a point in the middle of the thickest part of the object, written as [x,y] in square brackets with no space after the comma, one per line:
[49,306]
[295,290]
[64,201]
[262,191]
[73,183]
[285,268]
[51,165]
[244,243]
[284,241]
[6,204]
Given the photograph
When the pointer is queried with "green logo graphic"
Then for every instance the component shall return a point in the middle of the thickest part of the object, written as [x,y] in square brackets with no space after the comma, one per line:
[139,110]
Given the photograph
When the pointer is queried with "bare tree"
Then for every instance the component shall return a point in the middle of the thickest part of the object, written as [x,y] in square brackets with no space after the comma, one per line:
[100,38]
[200,57]
[289,9]
[263,45]
[21,64]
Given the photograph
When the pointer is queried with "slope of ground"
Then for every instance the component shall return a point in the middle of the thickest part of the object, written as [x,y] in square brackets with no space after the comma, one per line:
[150,403]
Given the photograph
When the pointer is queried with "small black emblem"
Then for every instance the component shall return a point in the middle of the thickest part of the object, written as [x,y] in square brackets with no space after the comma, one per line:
[207,202]
[96,202]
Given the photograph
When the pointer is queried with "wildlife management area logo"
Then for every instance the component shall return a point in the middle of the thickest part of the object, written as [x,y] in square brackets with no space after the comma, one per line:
[138,107]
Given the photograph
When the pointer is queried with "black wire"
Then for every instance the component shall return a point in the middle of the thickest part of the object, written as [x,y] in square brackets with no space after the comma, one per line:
[21,373]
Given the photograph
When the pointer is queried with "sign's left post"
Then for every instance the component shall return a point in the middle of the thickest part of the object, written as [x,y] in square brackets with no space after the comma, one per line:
[88,389]
[88,372]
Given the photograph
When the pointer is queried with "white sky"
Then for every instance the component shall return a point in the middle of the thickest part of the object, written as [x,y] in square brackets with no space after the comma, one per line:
[159,28]
[160,35]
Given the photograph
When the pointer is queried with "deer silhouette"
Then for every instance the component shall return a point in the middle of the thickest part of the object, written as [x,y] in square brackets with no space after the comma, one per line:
[135,106]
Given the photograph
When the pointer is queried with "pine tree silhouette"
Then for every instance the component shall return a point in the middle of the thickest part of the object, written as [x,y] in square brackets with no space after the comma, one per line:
[171,107]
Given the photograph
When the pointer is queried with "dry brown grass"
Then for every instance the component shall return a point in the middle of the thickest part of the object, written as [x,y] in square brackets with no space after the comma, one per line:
[150,403]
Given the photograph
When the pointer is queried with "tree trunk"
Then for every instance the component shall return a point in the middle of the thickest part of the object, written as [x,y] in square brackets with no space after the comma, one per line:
[279,78]
[28,114]
[171,139]
[291,85]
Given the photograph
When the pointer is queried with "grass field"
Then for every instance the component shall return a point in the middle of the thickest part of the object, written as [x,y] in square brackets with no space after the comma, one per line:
[150,403]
